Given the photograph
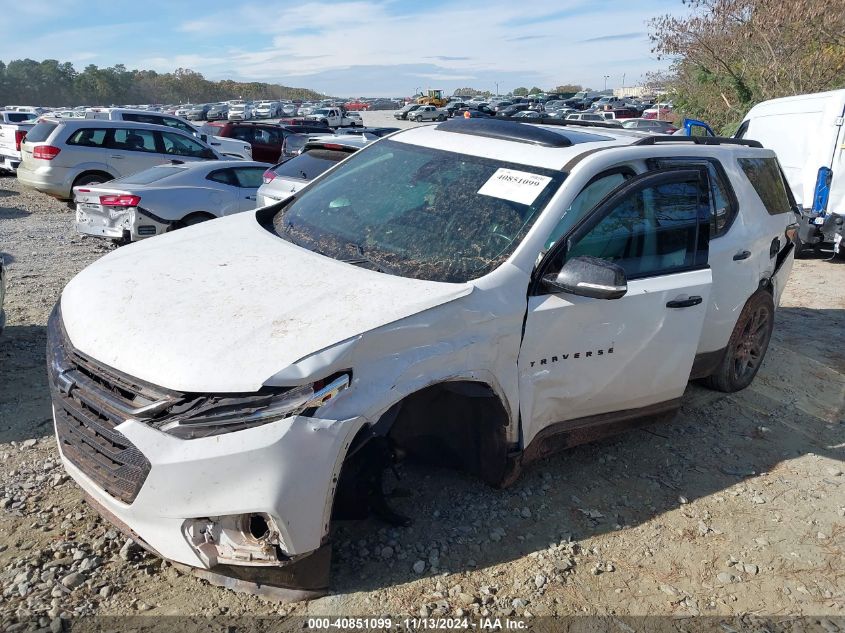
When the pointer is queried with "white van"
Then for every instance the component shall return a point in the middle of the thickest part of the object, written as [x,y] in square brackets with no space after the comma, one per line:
[807,134]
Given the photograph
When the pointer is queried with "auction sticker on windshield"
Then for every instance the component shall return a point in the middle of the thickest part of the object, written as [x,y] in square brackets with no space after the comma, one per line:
[513,185]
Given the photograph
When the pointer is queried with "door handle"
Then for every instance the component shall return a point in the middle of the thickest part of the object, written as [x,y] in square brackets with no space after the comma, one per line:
[685,303]
[742,255]
[113,156]
[250,197]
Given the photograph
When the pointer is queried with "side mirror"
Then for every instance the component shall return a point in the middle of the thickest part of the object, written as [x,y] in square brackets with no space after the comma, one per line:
[208,154]
[589,277]
[204,138]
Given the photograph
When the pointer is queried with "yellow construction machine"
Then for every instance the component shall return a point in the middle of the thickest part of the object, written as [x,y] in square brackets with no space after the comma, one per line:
[435,98]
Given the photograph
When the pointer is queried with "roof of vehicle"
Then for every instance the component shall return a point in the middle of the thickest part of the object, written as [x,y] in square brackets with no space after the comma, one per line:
[377,131]
[536,144]
[798,103]
[339,142]
[224,123]
[185,168]
[217,164]
[109,123]
[127,110]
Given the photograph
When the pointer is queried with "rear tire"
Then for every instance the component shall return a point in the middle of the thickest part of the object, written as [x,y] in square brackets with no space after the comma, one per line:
[747,346]
[91,179]
[86,179]
[193,218]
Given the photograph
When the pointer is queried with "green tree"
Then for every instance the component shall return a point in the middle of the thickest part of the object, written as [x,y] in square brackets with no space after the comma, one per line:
[520,92]
[53,83]
[728,55]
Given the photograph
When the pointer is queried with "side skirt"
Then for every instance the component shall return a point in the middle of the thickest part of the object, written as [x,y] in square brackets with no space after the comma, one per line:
[562,435]
[706,363]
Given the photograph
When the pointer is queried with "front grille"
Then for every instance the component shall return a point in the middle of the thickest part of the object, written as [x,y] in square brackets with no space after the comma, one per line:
[90,401]
[103,454]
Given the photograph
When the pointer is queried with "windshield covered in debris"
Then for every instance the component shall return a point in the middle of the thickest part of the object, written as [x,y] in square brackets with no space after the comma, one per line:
[419,212]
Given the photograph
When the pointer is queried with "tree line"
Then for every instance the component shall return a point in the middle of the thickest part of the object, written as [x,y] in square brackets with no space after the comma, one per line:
[728,55]
[53,83]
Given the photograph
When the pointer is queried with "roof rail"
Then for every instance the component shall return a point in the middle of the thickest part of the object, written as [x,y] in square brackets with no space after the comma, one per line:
[506,130]
[565,122]
[698,140]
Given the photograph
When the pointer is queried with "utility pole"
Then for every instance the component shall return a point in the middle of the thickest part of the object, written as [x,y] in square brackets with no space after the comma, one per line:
[623,85]
[497,88]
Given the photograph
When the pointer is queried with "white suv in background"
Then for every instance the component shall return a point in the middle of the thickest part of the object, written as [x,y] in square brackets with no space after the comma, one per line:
[229,147]
[240,112]
[478,293]
[268,110]
[58,155]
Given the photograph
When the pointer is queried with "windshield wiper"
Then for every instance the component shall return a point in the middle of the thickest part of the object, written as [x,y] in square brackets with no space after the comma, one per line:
[363,259]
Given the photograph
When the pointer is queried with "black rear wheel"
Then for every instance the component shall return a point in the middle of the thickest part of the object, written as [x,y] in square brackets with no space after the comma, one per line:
[91,179]
[192,219]
[747,346]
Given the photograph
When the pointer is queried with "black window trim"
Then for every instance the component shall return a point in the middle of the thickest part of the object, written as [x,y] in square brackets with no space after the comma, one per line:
[109,142]
[733,201]
[246,168]
[103,145]
[642,181]
[210,178]
[159,134]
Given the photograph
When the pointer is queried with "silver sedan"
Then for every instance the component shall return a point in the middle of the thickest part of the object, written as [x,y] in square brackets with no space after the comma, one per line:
[167,197]
[318,155]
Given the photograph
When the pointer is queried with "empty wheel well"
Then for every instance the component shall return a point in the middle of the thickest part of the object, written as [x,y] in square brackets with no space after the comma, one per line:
[456,424]
[459,424]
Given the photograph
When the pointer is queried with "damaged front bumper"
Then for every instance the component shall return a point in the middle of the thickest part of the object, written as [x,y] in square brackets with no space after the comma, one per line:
[249,510]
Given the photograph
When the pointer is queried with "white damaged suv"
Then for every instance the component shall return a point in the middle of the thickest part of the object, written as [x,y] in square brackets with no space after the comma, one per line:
[478,293]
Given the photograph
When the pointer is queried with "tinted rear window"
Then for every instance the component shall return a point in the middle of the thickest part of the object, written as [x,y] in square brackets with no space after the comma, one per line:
[310,164]
[17,117]
[765,176]
[40,132]
[88,137]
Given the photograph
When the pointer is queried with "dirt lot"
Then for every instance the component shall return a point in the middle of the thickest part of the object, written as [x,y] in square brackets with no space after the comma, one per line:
[737,507]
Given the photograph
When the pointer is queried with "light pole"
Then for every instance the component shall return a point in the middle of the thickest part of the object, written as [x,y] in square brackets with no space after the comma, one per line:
[497,88]
[623,85]
[606,77]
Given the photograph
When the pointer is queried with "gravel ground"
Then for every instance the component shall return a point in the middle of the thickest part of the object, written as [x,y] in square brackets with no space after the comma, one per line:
[736,507]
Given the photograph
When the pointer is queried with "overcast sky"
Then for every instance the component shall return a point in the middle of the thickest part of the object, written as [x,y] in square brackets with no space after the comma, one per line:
[349,48]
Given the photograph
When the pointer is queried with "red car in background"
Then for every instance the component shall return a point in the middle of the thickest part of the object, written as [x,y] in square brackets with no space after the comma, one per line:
[266,139]
[356,106]
[655,112]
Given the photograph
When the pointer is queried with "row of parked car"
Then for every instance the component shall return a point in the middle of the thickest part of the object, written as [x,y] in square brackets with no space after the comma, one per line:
[133,174]
[601,108]
[58,156]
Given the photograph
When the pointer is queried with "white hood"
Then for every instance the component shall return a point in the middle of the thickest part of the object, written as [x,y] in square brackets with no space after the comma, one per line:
[225,305]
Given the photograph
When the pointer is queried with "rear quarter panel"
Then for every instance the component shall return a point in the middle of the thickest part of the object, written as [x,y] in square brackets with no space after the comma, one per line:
[175,203]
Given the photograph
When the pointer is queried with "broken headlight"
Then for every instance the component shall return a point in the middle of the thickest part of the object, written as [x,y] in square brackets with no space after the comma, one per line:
[213,415]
